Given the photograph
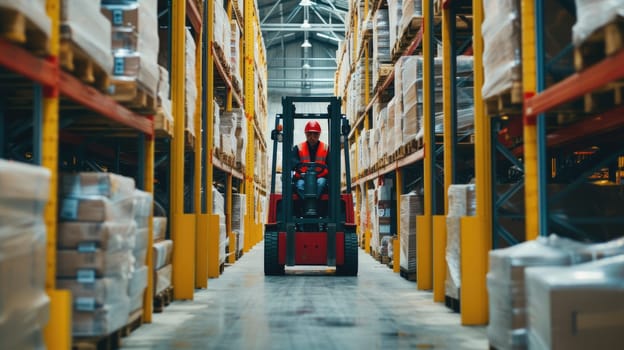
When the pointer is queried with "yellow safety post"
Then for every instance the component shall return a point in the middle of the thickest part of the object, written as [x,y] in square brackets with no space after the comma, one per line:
[249,34]
[424,239]
[148,297]
[439,221]
[529,74]
[396,249]
[476,237]
[201,240]
[182,226]
[57,332]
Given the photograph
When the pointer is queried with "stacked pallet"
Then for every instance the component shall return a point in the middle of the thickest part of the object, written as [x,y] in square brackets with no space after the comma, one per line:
[233,132]
[96,238]
[24,304]
[381,47]
[135,46]
[138,279]
[86,42]
[384,207]
[238,221]
[218,207]
[411,206]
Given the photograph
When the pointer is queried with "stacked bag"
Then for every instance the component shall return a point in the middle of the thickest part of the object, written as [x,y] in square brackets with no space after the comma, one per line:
[96,239]
[24,304]
[134,44]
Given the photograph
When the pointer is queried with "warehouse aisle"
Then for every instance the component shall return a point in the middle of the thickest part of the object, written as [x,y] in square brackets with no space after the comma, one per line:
[245,310]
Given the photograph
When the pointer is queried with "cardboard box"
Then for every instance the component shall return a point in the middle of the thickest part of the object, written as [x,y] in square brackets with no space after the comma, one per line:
[91,265]
[160,228]
[97,209]
[88,296]
[162,279]
[108,235]
[162,253]
[101,321]
[109,185]
[138,282]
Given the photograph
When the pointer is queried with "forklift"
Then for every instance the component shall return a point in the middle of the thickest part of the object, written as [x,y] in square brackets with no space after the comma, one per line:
[310,230]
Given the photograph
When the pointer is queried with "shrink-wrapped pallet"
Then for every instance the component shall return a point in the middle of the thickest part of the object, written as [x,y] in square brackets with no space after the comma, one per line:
[506,285]
[135,42]
[100,321]
[235,53]
[33,10]
[89,295]
[108,235]
[502,57]
[594,14]
[410,9]
[162,278]
[84,25]
[411,115]
[238,218]
[462,202]
[160,228]
[395,14]
[381,42]
[190,84]
[143,202]
[136,287]
[162,252]
[411,206]
[95,263]
[90,184]
[164,101]
[96,209]
[576,307]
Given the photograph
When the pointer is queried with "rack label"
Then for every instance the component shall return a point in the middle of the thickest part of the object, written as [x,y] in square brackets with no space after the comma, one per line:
[85,304]
[119,66]
[117,17]
[86,276]
[69,209]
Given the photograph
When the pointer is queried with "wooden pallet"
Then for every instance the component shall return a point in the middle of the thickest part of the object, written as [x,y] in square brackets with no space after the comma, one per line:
[406,36]
[508,102]
[410,276]
[134,96]
[163,126]
[414,145]
[105,342]
[163,299]
[17,28]
[603,42]
[383,71]
[135,320]
[75,61]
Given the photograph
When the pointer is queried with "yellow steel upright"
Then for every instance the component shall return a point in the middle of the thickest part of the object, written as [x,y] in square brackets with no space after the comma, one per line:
[439,221]
[529,74]
[424,229]
[148,297]
[249,35]
[228,220]
[57,332]
[476,238]
[182,229]
[397,242]
[212,224]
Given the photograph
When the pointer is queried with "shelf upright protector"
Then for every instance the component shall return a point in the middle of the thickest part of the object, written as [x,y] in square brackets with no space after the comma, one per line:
[474,251]
[248,34]
[57,333]
[529,84]
[182,227]
[148,297]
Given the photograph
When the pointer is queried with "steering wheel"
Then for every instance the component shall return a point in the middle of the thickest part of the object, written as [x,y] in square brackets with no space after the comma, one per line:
[319,167]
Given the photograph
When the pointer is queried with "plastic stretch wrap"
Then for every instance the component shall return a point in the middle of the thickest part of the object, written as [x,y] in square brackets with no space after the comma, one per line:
[88,296]
[89,265]
[604,250]
[24,192]
[141,239]
[107,185]
[395,14]
[163,93]
[140,257]
[223,242]
[138,282]
[238,217]
[160,228]
[411,8]
[381,36]
[34,10]
[162,279]
[96,209]
[218,202]
[389,127]
[162,253]
[216,141]
[109,235]
[190,84]
[576,307]
[24,304]
[142,208]
[101,321]
[506,284]
[594,14]
[221,26]
[83,23]
[136,302]
[411,206]
[502,57]
[235,49]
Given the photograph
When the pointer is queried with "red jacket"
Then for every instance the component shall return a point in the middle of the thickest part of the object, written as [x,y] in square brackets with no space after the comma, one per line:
[321,158]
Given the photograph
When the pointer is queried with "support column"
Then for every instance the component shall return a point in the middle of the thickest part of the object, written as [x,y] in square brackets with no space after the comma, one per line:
[249,34]
[396,259]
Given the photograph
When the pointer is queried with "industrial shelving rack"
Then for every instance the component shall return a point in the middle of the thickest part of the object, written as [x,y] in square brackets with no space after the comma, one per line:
[126,142]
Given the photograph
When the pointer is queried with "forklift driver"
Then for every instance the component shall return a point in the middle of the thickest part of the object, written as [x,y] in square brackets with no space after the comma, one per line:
[312,150]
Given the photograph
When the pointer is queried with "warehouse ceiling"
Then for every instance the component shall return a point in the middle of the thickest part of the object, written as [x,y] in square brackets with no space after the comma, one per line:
[301,38]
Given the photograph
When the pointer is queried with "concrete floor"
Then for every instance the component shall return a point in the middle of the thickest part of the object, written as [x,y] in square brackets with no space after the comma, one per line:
[306,309]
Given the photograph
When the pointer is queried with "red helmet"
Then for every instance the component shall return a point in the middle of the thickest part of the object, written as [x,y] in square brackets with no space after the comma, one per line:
[313,126]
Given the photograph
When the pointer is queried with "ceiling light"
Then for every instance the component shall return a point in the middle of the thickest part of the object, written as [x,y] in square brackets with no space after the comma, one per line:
[306,43]
[321,35]
[305,24]
[306,66]
[305,3]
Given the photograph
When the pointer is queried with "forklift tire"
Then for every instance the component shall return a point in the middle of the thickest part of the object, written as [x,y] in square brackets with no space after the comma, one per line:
[271,256]
[350,266]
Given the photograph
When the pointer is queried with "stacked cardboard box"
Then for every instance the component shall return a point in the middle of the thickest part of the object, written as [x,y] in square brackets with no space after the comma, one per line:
[235,54]
[410,9]
[411,206]
[84,26]
[138,280]
[34,11]
[462,202]
[384,207]
[238,219]
[162,251]
[395,14]
[164,102]
[381,42]
[190,84]
[134,42]
[218,207]
[24,304]
[233,129]
[594,14]
[96,238]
